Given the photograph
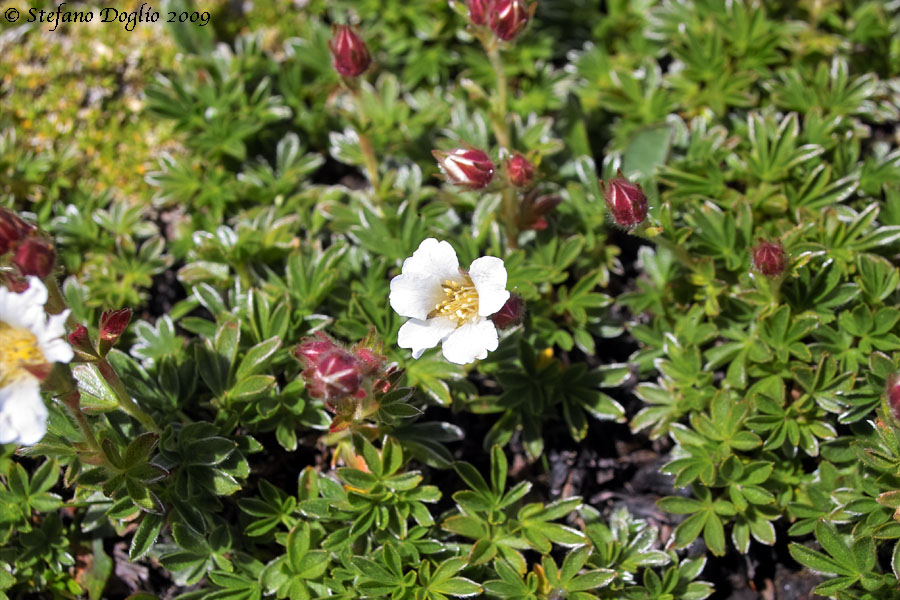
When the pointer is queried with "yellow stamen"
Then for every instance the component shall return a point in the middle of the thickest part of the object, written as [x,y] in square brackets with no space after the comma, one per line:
[20,348]
[460,301]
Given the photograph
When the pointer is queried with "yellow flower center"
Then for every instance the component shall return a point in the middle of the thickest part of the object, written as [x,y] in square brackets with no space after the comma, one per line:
[20,348]
[460,301]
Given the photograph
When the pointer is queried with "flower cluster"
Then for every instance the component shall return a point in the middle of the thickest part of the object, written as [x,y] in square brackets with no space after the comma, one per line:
[333,372]
[448,305]
[31,342]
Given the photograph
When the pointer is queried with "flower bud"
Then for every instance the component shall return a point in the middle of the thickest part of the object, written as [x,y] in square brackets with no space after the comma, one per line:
[35,256]
[626,201]
[350,56]
[478,11]
[893,395]
[80,340]
[509,17]
[510,314]
[12,230]
[532,211]
[310,350]
[335,375]
[519,171]
[469,168]
[769,258]
[112,326]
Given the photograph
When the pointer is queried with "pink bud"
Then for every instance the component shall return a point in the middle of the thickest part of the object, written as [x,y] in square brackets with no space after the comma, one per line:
[893,394]
[769,258]
[532,211]
[510,314]
[35,256]
[625,200]
[509,17]
[478,10]
[335,375]
[350,56]
[310,349]
[12,230]
[519,171]
[469,168]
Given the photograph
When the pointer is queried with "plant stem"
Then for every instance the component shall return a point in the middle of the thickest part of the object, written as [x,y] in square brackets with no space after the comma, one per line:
[56,302]
[125,400]
[365,142]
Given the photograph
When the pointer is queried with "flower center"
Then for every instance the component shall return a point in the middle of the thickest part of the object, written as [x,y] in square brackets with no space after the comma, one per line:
[460,301]
[20,348]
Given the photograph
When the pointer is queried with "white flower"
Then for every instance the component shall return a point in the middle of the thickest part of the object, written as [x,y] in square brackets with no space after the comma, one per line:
[447,304]
[28,338]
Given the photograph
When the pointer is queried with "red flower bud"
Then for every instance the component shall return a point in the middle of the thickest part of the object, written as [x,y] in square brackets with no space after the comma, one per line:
[311,349]
[625,200]
[769,258]
[12,230]
[893,394]
[350,56]
[519,171]
[335,375]
[469,168]
[478,11]
[80,340]
[112,326]
[510,314]
[509,17]
[35,256]
[532,211]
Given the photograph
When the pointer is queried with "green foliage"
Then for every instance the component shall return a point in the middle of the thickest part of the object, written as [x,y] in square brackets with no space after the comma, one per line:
[228,186]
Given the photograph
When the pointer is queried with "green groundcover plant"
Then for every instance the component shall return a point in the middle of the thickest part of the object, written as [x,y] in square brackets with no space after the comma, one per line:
[307,299]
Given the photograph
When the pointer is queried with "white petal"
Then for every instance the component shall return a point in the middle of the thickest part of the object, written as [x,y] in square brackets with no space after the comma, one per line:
[415,294]
[471,341]
[422,335]
[489,276]
[23,416]
[433,258]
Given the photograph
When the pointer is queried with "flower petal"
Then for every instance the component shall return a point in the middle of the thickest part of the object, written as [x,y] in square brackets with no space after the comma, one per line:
[489,276]
[471,341]
[433,258]
[422,335]
[23,416]
[415,294]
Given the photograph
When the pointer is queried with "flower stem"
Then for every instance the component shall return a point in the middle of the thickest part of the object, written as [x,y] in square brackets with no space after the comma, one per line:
[365,142]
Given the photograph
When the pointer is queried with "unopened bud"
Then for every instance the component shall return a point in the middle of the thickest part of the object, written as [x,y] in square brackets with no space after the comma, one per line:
[532,212]
[310,349]
[350,56]
[510,314]
[12,230]
[626,201]
[478,11]
[112,326]
[335,375]
[35,256]
[80,340]
[520,171]
[469,168]
[509,17]
[893,395]
[769,258]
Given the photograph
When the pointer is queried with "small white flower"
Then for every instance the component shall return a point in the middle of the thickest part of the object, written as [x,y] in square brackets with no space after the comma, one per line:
[448,305]
[28,338]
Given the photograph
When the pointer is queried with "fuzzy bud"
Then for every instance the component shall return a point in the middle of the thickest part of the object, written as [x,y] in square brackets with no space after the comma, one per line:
[509,17]
[626,201]
[533,210]
[468,168]
[80,340]
[12,230]
[350,56]
[112,326]
[769,258]
[35,256]
[510,314]
[519,171]
[331,371]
